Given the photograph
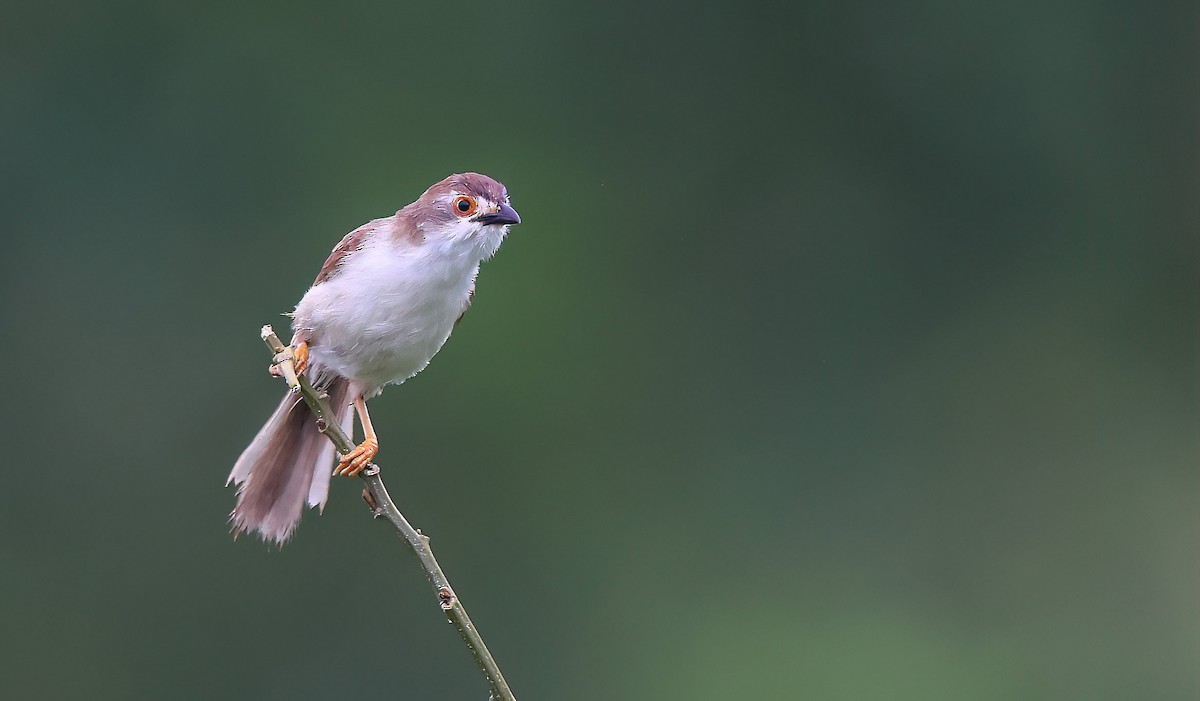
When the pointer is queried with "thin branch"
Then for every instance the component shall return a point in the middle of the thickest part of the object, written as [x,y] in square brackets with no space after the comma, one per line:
[381,504]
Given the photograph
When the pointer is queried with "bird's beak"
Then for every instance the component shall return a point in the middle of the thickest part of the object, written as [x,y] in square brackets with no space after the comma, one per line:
[504,215]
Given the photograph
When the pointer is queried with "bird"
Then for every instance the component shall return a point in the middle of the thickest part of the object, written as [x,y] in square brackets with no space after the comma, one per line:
[385,301]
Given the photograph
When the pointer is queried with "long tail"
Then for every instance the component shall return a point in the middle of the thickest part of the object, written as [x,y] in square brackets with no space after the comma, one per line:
[288,463]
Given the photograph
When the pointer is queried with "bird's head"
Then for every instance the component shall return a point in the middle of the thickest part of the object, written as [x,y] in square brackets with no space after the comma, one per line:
[466,210]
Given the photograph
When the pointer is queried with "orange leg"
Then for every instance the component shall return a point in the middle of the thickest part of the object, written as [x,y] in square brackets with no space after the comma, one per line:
[357,460]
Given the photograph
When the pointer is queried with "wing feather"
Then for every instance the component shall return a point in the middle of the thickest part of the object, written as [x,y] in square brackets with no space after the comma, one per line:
[350,243]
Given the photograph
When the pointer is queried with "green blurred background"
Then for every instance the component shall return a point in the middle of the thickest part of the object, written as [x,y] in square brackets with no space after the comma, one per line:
[847,351]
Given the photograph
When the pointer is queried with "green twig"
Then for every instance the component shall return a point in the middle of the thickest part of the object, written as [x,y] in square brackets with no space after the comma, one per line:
[381,504]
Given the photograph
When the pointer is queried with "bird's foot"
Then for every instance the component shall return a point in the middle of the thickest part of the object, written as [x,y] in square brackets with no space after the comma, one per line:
[299,359]
[357,460]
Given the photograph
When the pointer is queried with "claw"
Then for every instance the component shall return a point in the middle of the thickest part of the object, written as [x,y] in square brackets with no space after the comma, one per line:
[357,460]
[300,357]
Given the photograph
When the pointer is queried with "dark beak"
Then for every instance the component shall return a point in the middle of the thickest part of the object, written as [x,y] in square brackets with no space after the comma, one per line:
[504,215]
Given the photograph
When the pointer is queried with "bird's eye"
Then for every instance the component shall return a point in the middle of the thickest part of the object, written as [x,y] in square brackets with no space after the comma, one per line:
[465,206]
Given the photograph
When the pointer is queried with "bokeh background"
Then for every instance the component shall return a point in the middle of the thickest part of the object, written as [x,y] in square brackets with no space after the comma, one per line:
[847,351]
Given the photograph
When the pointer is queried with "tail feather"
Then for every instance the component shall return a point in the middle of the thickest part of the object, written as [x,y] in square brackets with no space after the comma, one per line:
[288,463]
[318,491]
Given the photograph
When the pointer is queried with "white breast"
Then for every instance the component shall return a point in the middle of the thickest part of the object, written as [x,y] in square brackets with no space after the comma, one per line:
[387,311]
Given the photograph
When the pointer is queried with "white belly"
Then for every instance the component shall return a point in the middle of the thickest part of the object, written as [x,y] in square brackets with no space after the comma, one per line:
[382,318]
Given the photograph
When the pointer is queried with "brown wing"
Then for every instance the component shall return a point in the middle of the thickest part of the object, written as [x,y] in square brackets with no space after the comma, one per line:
[350,243]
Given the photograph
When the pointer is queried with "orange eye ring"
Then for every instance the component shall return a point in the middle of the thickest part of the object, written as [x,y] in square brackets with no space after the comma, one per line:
[464,206]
